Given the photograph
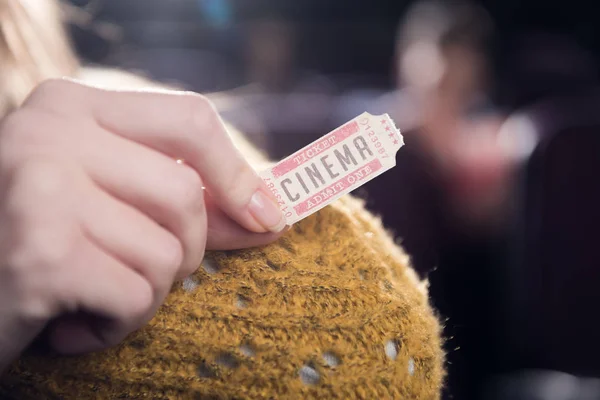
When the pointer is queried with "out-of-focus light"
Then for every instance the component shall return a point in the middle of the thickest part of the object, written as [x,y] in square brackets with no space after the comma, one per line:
[518,137]
[423,64]
[218,12]
[558,386]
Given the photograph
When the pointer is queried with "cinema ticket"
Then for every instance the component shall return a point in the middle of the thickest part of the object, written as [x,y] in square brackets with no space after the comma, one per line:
[334,165]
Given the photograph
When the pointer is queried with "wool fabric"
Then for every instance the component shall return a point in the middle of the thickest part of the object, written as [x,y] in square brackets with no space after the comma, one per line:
[332,310]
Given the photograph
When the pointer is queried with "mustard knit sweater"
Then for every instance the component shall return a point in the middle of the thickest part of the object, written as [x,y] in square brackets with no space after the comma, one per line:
[331,310]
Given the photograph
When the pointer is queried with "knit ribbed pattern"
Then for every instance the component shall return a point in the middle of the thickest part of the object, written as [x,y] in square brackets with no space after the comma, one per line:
[331,310]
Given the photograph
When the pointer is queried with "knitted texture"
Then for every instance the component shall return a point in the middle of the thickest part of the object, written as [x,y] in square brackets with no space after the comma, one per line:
[331,310]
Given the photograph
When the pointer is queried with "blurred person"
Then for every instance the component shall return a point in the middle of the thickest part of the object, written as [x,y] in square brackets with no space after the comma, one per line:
[98,221]
[443,66]
[447,200]
[442,103]
[452,163]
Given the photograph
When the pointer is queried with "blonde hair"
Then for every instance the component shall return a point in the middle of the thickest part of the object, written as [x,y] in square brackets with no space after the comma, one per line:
[33,47]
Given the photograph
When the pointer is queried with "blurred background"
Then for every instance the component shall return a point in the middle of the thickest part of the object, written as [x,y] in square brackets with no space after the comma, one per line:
[495,195]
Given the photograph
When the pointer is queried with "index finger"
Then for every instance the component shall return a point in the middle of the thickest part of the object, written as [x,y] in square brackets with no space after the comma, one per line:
[186,125]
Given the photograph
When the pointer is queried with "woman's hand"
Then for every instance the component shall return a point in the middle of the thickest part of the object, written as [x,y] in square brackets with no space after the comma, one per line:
[97,219]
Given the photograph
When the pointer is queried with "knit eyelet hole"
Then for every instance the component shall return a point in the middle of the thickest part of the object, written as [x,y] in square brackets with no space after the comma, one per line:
[362,275]
[387,285]
[206,371]
[331,359]
[392,348]
[247,349]
[273,265]
[242,301]
[210,266]
[137,344]
[309,374]
[227,360]
[411,366]
[189,284]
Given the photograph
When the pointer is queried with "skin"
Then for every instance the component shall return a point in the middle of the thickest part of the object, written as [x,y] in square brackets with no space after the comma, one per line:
[97,220]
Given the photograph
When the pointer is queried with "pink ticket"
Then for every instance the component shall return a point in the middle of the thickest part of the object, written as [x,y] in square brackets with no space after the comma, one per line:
[334,165]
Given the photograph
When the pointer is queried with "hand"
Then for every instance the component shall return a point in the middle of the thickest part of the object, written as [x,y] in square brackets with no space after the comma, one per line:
[97,218]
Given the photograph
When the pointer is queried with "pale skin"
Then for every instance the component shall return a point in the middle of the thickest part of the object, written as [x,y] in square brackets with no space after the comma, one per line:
[97,219]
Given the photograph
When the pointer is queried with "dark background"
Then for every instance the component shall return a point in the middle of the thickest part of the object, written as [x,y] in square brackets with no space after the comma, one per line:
[334,37]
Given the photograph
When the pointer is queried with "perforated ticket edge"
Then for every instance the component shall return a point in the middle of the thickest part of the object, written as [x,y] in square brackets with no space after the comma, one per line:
[374,129]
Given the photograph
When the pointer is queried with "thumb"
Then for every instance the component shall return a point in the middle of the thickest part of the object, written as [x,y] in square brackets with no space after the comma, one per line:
[226,234]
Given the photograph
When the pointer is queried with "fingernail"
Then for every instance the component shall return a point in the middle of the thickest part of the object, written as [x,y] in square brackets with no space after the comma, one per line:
[266,212]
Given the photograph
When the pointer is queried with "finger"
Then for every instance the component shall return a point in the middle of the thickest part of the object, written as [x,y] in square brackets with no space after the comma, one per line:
[75,275]
[136,240]
[225,234]
[159,186]
[186,126]
[37,228]
[75,334]
[108,289]
[41,232]
[169,193]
